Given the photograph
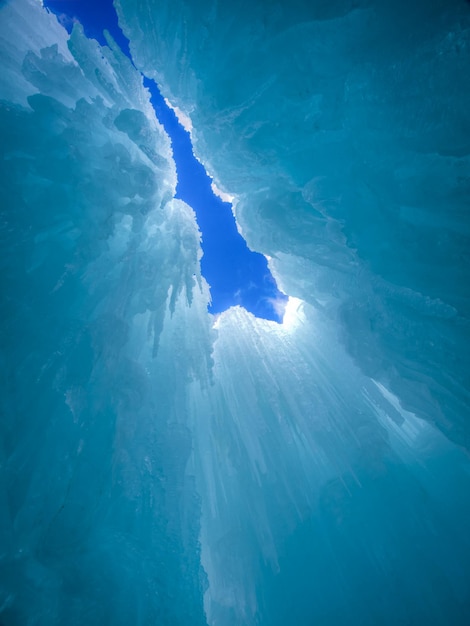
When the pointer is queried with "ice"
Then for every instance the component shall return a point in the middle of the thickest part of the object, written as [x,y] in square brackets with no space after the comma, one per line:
[163,466]
[98,524]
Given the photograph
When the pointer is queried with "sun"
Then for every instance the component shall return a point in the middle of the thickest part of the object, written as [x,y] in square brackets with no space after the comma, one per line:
[293,314]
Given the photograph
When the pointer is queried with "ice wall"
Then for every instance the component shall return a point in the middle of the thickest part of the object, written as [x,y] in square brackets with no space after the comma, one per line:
[98,525]
[324,500]
[160,468]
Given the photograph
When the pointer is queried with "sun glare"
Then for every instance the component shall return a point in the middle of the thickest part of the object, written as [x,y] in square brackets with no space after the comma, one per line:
[293,314]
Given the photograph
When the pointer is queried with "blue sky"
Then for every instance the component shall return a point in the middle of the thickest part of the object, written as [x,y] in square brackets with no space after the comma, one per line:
[236,275]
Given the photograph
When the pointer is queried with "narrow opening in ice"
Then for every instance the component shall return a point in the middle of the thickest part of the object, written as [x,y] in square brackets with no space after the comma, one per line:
[236,275]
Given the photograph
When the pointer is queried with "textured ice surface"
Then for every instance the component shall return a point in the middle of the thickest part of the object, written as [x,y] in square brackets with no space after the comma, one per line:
[157,468]
[98,524]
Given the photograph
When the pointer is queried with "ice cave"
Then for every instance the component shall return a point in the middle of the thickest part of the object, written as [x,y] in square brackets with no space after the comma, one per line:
[164,466]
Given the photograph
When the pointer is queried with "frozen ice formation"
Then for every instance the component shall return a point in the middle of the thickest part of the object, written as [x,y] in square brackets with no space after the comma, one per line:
[95,256]
[162,466]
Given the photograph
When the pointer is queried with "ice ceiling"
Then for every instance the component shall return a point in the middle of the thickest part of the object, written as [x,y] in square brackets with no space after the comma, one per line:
[157,468]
